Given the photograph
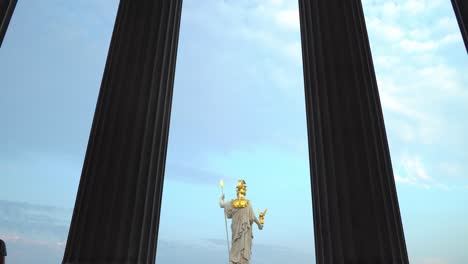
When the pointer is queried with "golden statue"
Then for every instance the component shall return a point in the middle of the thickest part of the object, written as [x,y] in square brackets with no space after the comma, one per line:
[241,191]
[261,215]
[243,216]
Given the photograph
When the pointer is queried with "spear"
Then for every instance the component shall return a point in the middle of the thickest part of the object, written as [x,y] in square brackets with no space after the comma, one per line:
[221,183]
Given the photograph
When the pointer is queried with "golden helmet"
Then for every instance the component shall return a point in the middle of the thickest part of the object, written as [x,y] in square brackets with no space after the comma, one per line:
[241,187]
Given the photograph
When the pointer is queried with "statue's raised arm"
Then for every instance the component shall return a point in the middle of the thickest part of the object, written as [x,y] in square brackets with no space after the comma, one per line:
[221,201]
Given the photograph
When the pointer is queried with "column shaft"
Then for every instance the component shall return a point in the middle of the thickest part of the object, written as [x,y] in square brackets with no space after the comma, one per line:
[355,206]
[461,12]
[6,11]
[116,214]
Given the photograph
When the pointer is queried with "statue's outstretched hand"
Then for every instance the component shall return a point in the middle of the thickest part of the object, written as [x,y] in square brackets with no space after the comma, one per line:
[260,226]
[221,201]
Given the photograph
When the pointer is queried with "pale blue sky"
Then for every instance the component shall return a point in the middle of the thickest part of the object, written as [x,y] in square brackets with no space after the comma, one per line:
[238,112]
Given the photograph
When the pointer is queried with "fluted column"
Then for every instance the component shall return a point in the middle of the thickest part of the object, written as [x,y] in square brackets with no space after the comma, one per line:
[355,205]
[116,215]
[461,12]
[6,11]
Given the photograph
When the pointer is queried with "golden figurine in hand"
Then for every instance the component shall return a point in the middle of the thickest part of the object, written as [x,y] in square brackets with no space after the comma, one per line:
[261,216]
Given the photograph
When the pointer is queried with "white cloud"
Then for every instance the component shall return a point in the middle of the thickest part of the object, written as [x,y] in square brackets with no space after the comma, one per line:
[418,46]
[395,104]
[419,33]
[415,173]
[432,261]
[414,6]
[391,10]
[414,99]
[254,24]
[388,31]
[34,242]
[415,86]
[450,39]
[450,168]
[400,179]
[447,24]
[419,85]
[427,46]
[415,169]
[276,2]
[271,2]
[400,25]
[288,19]
[441,79]
[387,61]
[279,77]
[418,7]
[264,37]
[294,51]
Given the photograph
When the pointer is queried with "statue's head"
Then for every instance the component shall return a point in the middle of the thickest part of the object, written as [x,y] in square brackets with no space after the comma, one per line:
[241,188]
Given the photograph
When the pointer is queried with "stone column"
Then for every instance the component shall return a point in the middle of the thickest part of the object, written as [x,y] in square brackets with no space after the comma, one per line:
[116,215]
[461,12]
[6,11]
[355,206]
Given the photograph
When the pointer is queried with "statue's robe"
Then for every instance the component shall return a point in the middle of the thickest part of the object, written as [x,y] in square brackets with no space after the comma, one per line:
[241,230]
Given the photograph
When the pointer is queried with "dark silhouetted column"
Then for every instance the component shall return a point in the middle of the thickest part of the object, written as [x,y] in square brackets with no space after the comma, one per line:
[6,11]
[116,215]
[356,212]
[461,12]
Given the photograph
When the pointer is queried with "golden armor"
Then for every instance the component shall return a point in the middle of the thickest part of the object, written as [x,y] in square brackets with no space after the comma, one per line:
[241,202]
[241,191]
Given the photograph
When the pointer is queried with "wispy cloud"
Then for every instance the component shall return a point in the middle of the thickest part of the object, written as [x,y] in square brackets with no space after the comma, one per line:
[433,260]
[430,45]
[192,174]
[413,171]
[276,26]
[33,233]
[31,223]
[33,242]
[420,82]
[288,19]
[387,31]
[25,251]
[217,250]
